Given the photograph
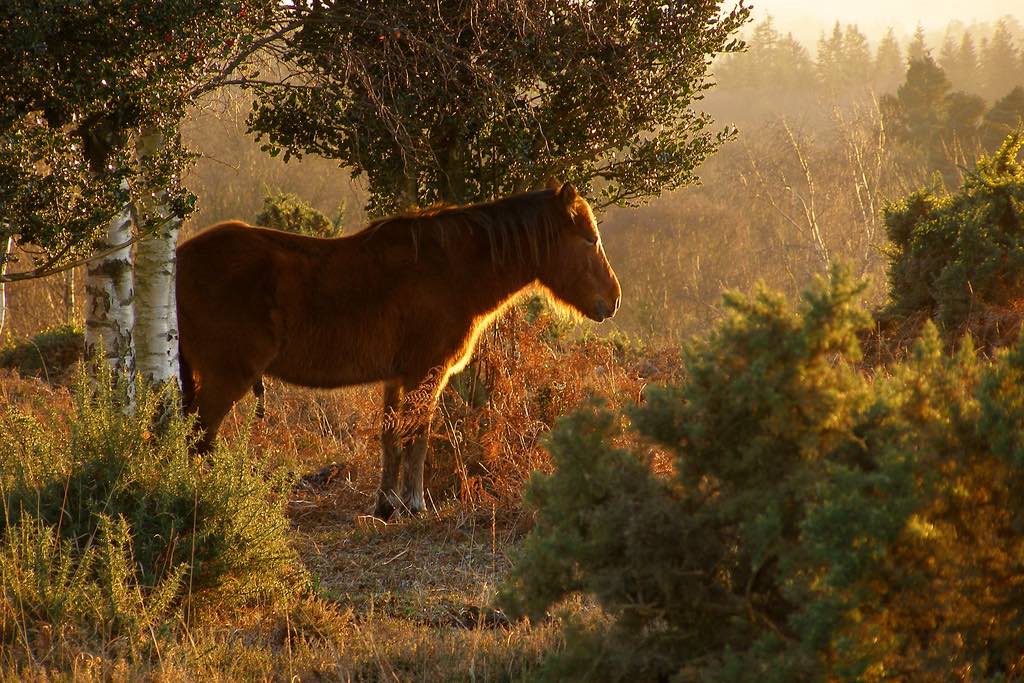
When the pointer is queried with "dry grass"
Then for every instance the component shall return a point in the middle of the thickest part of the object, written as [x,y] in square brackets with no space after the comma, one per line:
[408,600]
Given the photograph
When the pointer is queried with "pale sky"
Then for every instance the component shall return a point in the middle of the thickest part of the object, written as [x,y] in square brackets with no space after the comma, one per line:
[804,17]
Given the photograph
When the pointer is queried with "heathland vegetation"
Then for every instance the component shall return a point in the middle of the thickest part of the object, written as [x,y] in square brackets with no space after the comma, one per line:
[794,455]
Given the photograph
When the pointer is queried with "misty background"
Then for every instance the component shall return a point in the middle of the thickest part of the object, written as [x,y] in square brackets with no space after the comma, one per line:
[833,123]
[806,19]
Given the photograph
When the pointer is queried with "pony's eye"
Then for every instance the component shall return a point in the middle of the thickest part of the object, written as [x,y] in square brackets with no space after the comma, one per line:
[591,239]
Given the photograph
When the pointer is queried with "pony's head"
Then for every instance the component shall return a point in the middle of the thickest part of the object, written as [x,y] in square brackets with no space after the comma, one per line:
[578,273]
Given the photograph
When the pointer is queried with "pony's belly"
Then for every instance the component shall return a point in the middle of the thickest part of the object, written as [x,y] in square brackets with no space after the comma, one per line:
[320,376]
[331,366]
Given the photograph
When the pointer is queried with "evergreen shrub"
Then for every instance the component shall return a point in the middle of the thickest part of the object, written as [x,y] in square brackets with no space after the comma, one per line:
[959,256]
[820,523]
[106,524]
[288,212]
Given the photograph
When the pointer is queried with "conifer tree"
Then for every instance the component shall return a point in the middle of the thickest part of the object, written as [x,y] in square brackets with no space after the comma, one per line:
[949,59]
[918,111]
[1005,117]
[889,67]
[935,125]
[999,63]
[795,67]
[830,58]
[918,49]
[856,57]
[967,77]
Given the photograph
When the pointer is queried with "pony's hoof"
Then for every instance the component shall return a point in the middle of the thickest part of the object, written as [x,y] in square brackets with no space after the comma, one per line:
[413,510]
[384,508]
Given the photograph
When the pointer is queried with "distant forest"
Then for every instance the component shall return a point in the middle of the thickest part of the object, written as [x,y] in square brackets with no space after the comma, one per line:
[971,83]
[982,59]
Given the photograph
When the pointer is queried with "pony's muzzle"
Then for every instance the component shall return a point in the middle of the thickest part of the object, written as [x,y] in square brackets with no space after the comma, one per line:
[601,311]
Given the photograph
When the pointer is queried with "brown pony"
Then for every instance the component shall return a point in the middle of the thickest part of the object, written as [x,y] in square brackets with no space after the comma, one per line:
[402,302]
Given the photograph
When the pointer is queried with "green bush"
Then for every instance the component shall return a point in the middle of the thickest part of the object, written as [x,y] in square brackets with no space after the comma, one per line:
[288,212]
[820,524]
[958,255]
[49,354]
[107,525]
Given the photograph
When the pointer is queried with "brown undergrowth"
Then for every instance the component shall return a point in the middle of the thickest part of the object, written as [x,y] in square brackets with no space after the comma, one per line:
[408,600]
[892,337]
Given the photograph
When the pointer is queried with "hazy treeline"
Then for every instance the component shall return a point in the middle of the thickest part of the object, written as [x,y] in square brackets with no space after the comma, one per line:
[827,138]
[983,59]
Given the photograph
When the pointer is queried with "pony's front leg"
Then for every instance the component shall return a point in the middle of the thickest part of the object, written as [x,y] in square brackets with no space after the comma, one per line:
[391,454]
[418,406]
[412,470]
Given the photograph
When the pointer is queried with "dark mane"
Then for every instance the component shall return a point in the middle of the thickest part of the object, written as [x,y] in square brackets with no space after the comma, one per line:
[517,228]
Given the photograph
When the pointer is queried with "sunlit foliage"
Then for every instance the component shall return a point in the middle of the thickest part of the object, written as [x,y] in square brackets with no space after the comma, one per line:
[78,79]
[958,255]
[106,525]
[468,101]
[820,524]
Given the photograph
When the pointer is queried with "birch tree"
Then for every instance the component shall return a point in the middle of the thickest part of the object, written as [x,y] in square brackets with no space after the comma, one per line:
[109,296]
[156,312]
[70,111]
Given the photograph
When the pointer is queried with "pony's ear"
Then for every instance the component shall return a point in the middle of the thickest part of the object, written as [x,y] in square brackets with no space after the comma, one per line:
[568,195]
[552,183]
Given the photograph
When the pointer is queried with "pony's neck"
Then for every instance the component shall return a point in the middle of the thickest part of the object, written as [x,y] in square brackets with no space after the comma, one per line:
[489,286]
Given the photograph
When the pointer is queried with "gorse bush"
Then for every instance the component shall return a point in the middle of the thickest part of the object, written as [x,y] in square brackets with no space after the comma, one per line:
[957,256]
[288,212]
[819,524]
[50,354]
[106,525]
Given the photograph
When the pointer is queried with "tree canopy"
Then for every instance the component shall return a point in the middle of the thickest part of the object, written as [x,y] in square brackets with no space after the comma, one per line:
[78,79]
[463,101]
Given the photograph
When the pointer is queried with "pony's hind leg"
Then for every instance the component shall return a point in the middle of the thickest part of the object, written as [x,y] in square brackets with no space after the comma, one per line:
[391,453]
[211,409]
[214,396]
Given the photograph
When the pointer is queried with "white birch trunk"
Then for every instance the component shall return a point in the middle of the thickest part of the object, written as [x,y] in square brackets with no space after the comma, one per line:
[109,299]
[5,250]
[156,316]
[69,296]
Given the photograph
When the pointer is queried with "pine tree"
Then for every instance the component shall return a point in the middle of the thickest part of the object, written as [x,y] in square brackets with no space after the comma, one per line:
[919,107]
[778,63]
[949,54]
[856,57]
[934,124]
[918,49]
[1005,117]
[967,78]
[795,66]
[889,66]
[999,63]
[949,59]
[830,58]
[963,116]
[763,54]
